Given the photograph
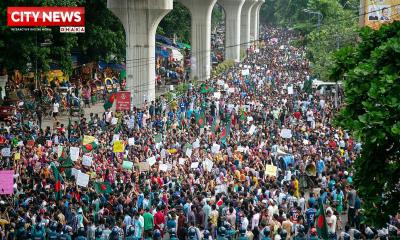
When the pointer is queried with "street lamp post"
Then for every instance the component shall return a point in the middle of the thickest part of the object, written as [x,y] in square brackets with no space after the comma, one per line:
[318,13]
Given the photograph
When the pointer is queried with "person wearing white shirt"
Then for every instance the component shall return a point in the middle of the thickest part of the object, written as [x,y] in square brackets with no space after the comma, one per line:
[331,220]
[56,107]
[255,220]
[245,222]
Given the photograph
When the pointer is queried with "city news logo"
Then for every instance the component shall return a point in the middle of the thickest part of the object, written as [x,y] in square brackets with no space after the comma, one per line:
[69,19]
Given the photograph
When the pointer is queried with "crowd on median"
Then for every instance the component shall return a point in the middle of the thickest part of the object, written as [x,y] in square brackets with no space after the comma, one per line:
[251,154]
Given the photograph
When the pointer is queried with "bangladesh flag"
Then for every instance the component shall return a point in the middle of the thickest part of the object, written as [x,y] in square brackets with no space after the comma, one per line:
[89,147]
[320,218]
[206,89]
[201,119]
[214,126]
[103,187]
[58,179]
[109,102]
[243,115]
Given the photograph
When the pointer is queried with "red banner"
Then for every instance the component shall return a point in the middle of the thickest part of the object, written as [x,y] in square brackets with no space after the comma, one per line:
[123,101]
[45,16]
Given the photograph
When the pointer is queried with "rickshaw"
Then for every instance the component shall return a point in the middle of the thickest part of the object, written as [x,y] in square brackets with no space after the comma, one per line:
[116,86]
[100,89]
[76,107]
[108,84]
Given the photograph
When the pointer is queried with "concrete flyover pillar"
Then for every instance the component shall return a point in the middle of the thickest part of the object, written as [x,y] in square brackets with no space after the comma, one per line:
[201,36]
[246,24]
[233,9]
[255,20]
[140,19]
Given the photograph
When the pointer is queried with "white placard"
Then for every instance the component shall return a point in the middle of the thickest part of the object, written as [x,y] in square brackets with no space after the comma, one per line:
[217,95]
[196,144]
[75,172]
[163,167]
[231,90]
[252,129]
[151,160]
[188,152]
[245,72]
[87,160]
[208,164]
[250,119]
[114,121]
[182,161]
[290,90]
[220,82]
[115,137]
[6,152]
[241,149]
[286,133]
[163,153]
[131,141]
[215,148]
[74,153]
[194,165]
[82,179]
[305,142]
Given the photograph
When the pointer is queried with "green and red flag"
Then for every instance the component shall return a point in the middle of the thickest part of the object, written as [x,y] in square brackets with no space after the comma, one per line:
[206,89]
[58,179]
[89,147]
[243,115]
[201,119]
[103,187]
[214,126]
[320,222]
[109,102]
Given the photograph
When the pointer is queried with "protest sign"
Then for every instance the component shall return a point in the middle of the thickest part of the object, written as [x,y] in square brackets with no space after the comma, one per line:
[271,170]
[286,133]
[143,166]
[118,147]
[74,153]
[87,160]
[194,165]
[215,148]
[82,179]
[151,160]
[131,141]
[88,139]
[163,167]
[6,182]
[182,161]
[128,165]
[5,152]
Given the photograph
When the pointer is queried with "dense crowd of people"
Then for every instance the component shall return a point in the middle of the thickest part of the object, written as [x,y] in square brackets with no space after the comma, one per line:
[249,155]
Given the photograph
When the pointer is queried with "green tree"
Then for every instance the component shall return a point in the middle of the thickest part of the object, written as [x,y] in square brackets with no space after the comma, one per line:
[338,29]
[372,72]
[104,37]
[177,22]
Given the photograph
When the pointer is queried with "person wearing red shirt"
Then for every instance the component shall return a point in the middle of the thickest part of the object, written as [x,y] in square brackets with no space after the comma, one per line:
[159,219]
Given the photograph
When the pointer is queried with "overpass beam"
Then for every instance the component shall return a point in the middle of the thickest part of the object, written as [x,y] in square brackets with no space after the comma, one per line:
[233,10]
[255,21]
[201,37]
[140,19]
[245,40]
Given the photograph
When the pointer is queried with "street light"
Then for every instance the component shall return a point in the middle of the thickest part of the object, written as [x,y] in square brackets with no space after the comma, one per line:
[318,13]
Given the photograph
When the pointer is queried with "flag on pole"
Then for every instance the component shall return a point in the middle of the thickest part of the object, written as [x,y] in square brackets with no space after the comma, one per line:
[321,224]
[57,178]
[109,102]
[103,187]
[200,119]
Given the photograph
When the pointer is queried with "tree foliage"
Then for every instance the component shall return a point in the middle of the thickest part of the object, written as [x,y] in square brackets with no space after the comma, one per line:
[372,83]
[177,22]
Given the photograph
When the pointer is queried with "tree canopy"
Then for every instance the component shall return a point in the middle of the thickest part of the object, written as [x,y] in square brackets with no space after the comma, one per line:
[372,72]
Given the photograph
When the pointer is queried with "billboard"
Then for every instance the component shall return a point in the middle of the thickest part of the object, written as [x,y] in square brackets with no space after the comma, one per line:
[123,101]
[378,12]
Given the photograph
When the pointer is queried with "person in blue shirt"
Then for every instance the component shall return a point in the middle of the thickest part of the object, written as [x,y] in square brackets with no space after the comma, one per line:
[320,166]
[310,215]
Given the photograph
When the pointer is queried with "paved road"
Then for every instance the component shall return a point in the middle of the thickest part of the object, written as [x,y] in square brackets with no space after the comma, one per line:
[97,108]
